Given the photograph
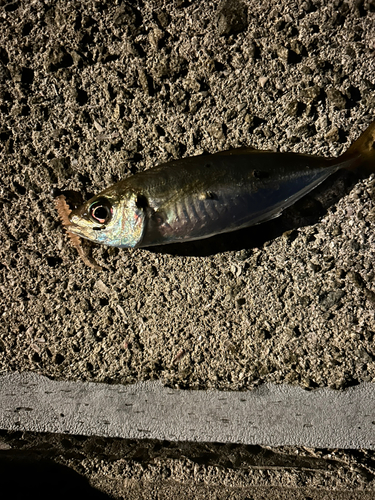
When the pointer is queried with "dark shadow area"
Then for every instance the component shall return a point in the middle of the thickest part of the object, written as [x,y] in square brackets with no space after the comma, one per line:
[26,474]
[33,454]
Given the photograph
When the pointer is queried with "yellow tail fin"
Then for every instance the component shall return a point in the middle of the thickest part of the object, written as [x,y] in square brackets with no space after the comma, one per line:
[361,153]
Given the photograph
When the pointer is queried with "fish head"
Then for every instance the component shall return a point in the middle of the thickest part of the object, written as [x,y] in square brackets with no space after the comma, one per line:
[110,219]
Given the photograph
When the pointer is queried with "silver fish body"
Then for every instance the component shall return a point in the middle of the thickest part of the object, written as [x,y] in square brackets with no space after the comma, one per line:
[202,196]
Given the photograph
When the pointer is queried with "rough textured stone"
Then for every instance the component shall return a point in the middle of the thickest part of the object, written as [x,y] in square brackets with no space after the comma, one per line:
[98,102]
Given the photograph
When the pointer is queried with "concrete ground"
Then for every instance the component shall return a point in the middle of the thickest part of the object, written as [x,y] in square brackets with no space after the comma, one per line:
[272,415]
[148,441]
[91,92]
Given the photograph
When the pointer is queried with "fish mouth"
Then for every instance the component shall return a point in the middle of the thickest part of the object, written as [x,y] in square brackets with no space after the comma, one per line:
[76,224]
[67,216]
[84,228]
[73,227]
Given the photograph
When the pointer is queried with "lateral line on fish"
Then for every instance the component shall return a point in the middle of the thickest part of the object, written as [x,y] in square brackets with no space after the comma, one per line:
[64,211]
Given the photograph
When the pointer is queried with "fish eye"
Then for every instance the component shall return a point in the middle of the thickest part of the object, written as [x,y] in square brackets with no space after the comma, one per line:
[101,211]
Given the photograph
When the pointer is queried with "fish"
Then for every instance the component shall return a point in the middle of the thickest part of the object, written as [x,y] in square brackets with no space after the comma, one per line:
[202,196]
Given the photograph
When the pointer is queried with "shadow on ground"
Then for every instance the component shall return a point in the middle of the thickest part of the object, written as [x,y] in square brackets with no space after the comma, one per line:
[26,476]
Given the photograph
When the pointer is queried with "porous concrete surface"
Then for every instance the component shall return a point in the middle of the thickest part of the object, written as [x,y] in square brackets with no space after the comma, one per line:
[93,91]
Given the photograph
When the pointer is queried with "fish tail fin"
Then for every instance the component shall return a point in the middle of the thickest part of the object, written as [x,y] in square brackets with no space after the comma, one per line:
[361,154]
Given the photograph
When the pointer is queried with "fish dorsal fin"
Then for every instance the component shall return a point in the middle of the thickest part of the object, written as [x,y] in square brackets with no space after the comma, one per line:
[242,151]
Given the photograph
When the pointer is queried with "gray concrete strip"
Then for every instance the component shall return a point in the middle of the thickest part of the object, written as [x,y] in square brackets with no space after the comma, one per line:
[273,415]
